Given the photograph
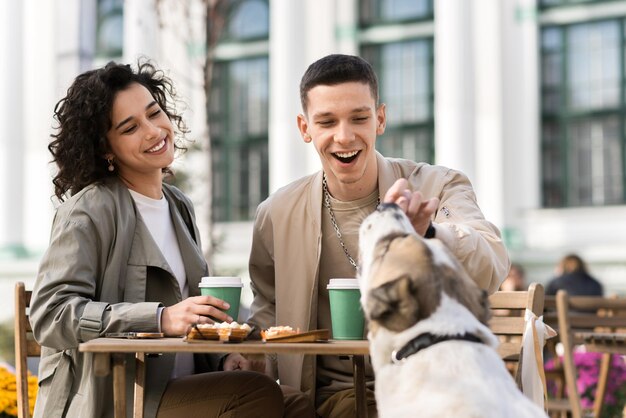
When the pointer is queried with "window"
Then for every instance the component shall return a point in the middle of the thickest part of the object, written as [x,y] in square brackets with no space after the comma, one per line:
[385,11]
[550,3]
[404,64]
[582,98]
[405,72]
[110,29]
[238,116]
[249,21]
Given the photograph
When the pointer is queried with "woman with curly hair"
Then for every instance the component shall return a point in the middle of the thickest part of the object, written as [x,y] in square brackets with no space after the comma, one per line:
[125,255]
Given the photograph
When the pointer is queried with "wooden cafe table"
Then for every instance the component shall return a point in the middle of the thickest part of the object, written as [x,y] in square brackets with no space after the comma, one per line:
[604,342]
[110,353]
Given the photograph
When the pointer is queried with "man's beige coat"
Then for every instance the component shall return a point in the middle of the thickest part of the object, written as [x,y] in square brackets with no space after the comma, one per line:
[104,273]
[286,247]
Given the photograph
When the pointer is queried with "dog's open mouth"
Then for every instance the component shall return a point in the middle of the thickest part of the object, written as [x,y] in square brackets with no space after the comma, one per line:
[346,157]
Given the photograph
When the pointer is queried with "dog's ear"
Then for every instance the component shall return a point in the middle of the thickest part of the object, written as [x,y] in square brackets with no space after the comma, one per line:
[403,289]
[457,284]
[394,304]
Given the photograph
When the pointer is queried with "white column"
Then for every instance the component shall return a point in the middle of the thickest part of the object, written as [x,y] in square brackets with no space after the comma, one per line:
[347,26]
[39,92]
[182,55]
[489,182]
[521,154]
[454,92]
[69,60]
[141,30]
[11,120]
[287,62]
[321,17]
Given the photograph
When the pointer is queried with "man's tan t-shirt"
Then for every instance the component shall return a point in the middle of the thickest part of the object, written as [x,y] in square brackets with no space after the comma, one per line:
[335,373]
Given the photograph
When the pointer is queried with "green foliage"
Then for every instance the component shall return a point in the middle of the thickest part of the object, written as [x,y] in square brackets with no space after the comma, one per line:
[7,342]
[615,410]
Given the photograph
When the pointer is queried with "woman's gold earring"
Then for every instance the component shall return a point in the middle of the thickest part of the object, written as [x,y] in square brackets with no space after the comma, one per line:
[111,166]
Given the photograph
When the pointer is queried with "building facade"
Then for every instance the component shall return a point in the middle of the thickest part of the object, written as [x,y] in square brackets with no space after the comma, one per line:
[527,97]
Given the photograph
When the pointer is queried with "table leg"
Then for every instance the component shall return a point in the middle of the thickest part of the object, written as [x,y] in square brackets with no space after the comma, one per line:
[358,363]
[119,385]
[140,383]
[101,364]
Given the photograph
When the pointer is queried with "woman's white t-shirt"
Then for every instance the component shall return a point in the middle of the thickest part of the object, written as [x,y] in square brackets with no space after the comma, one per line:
[156,215]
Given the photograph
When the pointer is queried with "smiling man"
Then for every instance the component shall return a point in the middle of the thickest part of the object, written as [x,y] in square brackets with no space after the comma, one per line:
[307,232]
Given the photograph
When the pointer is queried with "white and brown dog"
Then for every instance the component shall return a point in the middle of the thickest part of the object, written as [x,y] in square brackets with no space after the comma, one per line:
[432,352]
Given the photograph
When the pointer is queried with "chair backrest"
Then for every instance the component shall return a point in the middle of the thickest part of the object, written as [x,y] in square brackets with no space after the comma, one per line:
[577,317]
[25,346]
[549,311]
[508,322]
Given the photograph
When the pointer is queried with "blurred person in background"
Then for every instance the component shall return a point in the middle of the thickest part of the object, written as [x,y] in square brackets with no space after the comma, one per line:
[124,255]
[572,276]
[516,279]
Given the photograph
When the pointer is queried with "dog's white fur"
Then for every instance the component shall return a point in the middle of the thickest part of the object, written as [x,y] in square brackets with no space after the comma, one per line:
[448,379]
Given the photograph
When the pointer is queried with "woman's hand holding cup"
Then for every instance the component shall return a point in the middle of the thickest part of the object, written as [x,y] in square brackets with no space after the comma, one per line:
[177,319]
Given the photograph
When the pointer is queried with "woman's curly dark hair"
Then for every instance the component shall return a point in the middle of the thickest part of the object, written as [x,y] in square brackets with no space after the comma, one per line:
[84,117]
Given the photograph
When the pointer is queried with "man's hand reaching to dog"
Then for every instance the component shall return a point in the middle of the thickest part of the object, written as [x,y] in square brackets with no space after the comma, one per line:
[417,209]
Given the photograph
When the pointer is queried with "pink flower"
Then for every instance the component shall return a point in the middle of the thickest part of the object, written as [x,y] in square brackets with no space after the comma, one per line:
[587,369]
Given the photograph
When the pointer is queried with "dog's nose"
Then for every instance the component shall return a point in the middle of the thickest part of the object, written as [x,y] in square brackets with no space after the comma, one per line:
[387,206]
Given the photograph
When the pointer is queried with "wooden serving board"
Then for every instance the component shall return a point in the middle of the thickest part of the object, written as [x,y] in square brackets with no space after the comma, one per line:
[224,335]
[302,337]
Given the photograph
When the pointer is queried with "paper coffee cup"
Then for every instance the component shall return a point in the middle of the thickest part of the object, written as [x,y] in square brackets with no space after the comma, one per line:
[346,314]
[226,288]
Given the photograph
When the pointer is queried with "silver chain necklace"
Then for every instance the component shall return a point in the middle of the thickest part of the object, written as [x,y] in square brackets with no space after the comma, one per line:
[333,221]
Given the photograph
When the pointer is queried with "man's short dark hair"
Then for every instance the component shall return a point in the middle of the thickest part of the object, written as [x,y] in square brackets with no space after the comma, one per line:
[336,69]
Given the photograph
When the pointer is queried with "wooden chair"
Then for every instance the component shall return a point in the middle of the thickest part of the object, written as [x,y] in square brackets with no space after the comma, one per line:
[576,318]
[508,322]
[25,346]
[556,407]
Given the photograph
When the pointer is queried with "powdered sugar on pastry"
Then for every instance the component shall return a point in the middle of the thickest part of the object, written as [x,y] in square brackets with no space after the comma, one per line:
[278,331]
